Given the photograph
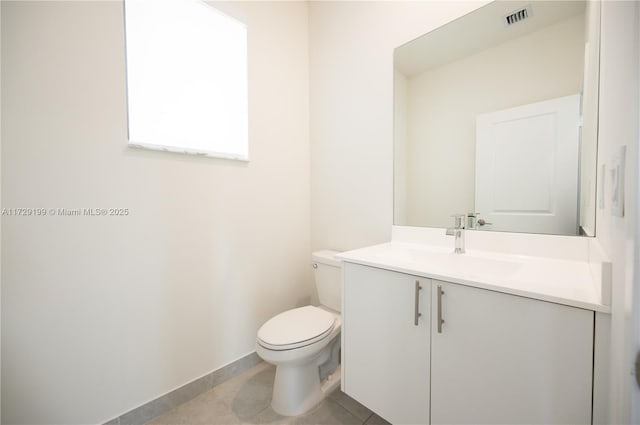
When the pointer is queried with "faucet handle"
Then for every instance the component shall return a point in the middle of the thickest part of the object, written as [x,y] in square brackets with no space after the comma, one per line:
[472,219]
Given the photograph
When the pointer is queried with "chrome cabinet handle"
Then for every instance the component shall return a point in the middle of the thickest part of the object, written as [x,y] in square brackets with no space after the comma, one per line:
[416,305]
[440,320]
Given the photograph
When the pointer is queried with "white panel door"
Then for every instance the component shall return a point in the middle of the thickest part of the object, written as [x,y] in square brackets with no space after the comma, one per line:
[527,161]
[505,359]
[385,353]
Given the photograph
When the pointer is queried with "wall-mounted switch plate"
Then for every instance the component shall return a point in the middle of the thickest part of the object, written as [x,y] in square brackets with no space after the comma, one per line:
[617,182]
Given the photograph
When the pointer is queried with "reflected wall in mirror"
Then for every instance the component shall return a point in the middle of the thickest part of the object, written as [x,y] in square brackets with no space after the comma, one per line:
[499,121]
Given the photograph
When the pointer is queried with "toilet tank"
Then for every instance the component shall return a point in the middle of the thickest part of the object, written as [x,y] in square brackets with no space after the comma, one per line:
[327,272]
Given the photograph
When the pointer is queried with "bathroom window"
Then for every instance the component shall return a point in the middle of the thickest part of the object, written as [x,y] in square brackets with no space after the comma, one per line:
[186,78]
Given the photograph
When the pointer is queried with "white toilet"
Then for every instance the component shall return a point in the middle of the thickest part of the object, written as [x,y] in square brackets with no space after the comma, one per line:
[304,343]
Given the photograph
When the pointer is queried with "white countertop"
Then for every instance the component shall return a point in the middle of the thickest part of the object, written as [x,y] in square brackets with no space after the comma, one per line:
[561,281]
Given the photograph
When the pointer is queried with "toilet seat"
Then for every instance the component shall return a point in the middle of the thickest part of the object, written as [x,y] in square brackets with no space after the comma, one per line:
[296,328]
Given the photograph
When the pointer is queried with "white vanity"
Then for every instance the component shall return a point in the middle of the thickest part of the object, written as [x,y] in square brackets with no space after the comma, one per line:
[484,337]
[512,329]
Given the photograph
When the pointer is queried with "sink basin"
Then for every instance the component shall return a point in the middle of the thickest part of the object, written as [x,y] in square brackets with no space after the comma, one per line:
[471,265]
[447,263]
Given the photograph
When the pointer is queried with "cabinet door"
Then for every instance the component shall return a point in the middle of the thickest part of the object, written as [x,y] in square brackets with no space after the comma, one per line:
[385,354]
[504,359]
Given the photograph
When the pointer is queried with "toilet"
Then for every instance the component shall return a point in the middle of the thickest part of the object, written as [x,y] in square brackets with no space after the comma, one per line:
[304,343]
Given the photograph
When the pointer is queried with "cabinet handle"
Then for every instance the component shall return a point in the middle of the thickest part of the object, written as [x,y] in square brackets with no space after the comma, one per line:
[440,319]
[416,306]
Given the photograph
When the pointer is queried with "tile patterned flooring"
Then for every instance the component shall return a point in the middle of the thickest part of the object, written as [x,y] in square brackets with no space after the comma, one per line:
[246,398]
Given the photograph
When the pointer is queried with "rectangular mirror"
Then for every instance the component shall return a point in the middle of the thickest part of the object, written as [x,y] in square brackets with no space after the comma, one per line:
[495,116]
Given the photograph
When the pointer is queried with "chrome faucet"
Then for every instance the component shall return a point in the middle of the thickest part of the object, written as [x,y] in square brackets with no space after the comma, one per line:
[458,232]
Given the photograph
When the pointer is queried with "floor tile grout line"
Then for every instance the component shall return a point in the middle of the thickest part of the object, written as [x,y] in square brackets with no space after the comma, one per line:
[347,408]
[368,417]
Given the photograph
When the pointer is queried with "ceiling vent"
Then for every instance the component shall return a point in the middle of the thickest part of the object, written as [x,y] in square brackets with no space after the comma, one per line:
[518,16]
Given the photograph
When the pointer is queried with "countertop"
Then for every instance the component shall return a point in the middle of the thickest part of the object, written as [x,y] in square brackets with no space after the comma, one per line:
[560,281]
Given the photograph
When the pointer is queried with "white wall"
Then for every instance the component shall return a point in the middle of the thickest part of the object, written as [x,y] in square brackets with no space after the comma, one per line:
[618,126]
[351,89]
[102,314]
[443,104]
[1,204]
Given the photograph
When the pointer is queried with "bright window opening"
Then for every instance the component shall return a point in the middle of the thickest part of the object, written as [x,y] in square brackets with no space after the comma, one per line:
[186,78]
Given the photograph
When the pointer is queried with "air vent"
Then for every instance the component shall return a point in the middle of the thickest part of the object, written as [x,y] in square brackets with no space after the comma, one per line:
[518,16]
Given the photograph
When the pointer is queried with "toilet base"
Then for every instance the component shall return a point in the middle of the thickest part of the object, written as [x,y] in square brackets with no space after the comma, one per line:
[297,389]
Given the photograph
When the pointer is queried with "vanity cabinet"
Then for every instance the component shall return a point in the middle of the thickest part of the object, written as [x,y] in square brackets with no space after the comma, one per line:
[505,359]
[385,353]
[476,356]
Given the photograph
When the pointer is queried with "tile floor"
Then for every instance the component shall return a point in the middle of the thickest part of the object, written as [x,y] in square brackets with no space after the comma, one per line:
[246,398]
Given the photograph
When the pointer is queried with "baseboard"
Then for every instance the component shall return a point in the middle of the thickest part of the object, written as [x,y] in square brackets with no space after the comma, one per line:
[163,404]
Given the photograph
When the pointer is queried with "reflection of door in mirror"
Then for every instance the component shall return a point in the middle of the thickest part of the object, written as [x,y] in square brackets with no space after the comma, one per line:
[527,167]
[475,65]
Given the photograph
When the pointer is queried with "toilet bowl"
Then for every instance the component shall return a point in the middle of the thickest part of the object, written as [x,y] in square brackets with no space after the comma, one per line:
[304,343]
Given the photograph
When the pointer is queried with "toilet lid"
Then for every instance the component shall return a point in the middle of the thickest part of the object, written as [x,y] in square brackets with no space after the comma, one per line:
[296,328]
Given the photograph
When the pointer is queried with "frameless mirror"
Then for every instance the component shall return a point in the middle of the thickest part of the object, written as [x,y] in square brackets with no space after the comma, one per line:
[495,116]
